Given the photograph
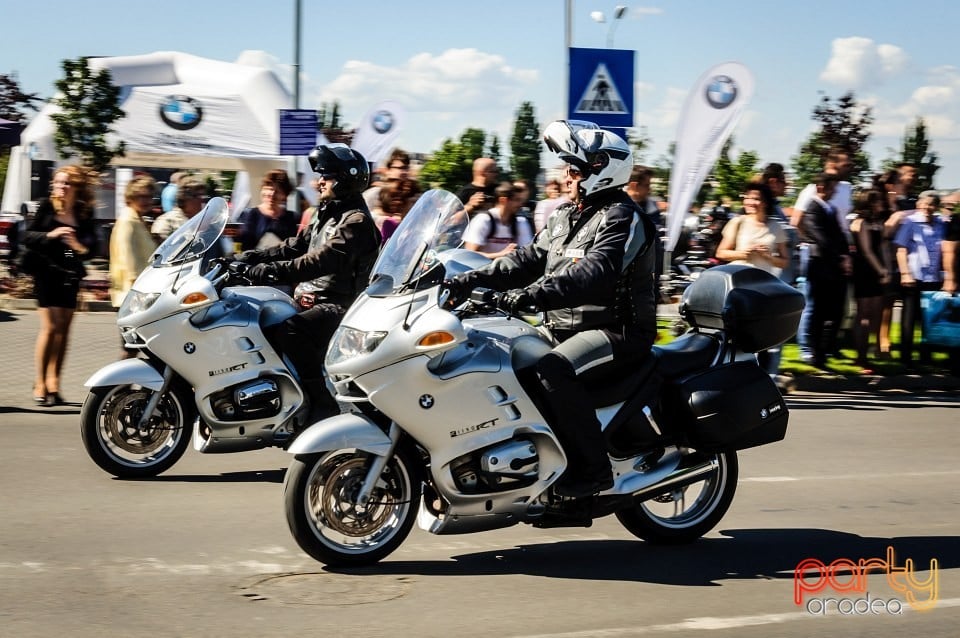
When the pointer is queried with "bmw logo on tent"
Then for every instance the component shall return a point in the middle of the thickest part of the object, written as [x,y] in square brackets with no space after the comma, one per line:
[181,112]
[721,92]
[383,121]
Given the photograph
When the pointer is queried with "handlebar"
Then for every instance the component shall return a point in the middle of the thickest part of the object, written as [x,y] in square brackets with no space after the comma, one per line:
[234,272]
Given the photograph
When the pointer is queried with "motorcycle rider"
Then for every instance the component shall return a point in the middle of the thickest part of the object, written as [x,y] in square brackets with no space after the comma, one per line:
[334,253]
[592,269]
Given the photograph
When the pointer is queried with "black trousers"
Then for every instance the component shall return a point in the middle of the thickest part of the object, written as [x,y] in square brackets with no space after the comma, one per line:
[910,316]
[828,291]
[304,338]
[564,372]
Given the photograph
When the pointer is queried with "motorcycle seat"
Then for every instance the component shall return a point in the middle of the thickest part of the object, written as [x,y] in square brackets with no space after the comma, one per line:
[527,351]
[689,352]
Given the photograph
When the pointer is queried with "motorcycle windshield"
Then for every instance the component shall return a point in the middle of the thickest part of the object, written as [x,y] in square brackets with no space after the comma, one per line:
[198,235]
[434,224]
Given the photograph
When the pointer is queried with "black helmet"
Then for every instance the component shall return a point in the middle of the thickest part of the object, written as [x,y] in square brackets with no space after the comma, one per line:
[346,165]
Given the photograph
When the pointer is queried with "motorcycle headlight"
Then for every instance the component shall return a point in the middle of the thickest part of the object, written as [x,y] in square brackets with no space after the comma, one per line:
[137,301]
[348,343]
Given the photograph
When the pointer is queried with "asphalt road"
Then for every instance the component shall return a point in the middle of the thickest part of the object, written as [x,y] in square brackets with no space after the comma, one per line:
[204,550]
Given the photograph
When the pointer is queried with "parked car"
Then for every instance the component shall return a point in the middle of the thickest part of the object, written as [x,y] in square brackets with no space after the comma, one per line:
[11,226]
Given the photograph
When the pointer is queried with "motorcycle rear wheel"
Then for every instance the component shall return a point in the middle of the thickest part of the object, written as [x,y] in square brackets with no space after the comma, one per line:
[653,521]
[109,427]
[325,521]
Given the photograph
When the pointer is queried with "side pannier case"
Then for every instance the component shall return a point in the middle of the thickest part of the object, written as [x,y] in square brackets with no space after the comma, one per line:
[729,407]
[757,310]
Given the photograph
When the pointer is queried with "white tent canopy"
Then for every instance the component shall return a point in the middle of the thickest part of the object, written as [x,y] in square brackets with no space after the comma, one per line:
[182,111]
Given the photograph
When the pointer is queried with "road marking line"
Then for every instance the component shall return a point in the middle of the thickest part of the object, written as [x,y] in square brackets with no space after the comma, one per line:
[847,477]
[708,623]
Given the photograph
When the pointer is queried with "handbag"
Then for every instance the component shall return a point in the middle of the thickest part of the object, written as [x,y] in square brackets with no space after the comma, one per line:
[31,262]
[941,318]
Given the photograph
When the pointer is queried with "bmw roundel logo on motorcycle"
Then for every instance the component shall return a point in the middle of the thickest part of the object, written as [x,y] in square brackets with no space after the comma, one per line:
[426,401]
[181,112]
[382,121]
[721,91]
[189,347]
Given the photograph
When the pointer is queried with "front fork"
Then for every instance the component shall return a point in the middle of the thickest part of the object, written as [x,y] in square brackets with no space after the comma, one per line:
[378,465]
[155,399]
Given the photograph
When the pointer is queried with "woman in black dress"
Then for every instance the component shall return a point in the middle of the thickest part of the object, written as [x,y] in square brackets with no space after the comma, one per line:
[870,274]
[60,237]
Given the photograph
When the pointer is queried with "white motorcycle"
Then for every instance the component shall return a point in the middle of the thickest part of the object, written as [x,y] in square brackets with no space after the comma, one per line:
[447,424]
[204,353]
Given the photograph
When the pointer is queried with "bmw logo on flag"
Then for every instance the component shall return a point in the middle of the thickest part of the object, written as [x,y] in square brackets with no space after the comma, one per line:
[721,91]
[382,121]
[181,112]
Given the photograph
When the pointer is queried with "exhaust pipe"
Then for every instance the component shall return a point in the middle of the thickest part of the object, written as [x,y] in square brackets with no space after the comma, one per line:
[678,478]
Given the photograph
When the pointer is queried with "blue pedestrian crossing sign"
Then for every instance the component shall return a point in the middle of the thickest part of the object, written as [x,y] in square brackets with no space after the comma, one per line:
[601,86]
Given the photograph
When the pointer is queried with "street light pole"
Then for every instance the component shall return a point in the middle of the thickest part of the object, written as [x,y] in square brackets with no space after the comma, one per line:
[296,97]
[618,13]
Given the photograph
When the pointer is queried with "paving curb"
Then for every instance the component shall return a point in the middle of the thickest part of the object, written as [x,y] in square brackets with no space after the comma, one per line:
[927,382]
[83,305]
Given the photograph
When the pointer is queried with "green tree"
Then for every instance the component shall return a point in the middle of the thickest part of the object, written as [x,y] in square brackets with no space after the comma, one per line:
[845,126]
[639,140]
[494,152]
[13,100]
[730,176]
[525,145]
[451,167]
[329,123]
[916,151]
[89,105]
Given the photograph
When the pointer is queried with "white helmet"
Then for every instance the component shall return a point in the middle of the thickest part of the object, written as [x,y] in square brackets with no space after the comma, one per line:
[604,158]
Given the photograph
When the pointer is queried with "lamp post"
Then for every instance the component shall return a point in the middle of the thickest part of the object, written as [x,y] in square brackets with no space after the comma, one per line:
[618,13]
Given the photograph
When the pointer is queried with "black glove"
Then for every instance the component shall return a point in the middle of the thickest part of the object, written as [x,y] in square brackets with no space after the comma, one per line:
[223,262]
[262,274]
[517,301]
[248,257]
[460,288]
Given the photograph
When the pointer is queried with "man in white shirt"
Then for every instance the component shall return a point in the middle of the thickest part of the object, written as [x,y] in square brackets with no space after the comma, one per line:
[838,163]
[499,230]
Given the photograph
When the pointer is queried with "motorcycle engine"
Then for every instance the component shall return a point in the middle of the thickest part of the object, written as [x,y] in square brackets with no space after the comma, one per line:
[257,399]
[505,466]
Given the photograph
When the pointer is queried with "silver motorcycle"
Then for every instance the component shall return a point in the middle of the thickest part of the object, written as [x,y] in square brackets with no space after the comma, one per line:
[447,426]
[206,364]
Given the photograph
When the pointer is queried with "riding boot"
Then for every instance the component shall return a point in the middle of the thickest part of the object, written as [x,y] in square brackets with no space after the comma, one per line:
[589,470]
[322,405]
[577,428]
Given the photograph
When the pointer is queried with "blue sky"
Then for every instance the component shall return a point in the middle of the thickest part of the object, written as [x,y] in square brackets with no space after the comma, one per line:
[459,64]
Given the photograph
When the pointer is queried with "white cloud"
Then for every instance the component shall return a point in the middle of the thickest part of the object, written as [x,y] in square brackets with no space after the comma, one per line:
[642,12]
[858,62]
[456,81]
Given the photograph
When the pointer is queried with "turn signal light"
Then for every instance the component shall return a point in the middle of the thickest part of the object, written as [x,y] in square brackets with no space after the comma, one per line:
[194,297]
[434,339]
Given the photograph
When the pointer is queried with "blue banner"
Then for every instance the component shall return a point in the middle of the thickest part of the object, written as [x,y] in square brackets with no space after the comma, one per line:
[298,131]
[601,87]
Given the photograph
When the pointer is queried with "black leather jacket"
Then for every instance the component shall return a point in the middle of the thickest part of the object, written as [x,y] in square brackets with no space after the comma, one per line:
[591,267]
[335,251]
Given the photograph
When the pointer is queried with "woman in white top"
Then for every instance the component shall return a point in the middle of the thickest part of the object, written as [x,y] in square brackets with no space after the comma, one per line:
[757,240]
[753,238]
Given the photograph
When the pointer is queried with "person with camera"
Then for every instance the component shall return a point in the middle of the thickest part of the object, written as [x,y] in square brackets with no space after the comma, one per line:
[331,260]
[592,270]
[61,236]
[480,194]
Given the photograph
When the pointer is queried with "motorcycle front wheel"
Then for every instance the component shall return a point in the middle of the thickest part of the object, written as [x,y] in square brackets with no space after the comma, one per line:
[320,501]
[110,428]
[684,514]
